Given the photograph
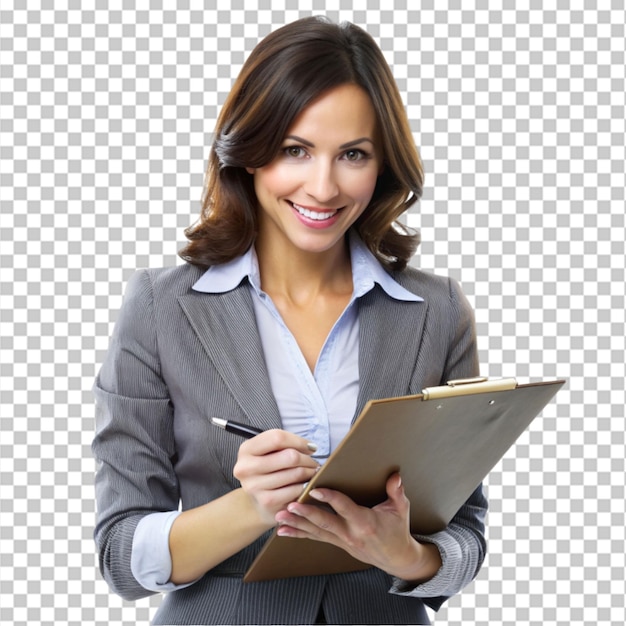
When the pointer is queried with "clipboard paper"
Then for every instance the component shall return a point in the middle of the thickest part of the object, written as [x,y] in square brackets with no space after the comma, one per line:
[443,447]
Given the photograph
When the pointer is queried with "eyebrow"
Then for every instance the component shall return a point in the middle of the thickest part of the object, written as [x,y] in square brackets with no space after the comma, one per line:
[349,144]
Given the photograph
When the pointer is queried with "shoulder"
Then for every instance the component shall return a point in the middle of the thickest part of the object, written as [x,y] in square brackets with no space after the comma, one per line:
[426,284]
[165,281]
[158,289]
[442,292]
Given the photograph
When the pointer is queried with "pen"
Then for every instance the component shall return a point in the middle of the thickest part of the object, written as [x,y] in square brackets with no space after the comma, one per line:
[236,428]
[245,431]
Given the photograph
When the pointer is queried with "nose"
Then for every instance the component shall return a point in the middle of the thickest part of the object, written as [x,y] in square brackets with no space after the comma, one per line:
[321,183]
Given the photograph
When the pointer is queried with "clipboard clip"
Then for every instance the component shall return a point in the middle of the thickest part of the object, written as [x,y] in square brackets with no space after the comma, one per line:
[466,386]
[467,381]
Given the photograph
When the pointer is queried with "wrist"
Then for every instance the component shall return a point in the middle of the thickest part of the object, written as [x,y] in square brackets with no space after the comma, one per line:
[254,512]
[419,563]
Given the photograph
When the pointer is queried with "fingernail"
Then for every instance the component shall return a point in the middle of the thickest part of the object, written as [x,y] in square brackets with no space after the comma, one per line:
[312,447]
[399,482]
[318,495]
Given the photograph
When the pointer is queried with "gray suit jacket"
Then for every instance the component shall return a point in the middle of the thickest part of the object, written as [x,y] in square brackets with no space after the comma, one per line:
[178,357]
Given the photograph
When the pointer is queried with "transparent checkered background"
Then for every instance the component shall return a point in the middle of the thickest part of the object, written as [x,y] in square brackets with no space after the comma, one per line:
[106,114]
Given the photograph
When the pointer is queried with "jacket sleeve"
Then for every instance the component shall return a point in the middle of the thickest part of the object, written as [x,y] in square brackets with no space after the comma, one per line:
[134,443]
[462,544]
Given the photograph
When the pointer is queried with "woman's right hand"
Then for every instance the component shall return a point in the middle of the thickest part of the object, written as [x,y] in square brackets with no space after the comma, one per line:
[273,468]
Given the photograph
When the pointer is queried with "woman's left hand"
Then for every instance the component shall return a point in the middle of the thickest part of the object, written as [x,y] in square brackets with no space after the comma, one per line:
[379,536]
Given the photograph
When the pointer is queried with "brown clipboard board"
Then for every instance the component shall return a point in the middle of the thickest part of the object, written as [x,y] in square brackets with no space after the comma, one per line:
[443,442]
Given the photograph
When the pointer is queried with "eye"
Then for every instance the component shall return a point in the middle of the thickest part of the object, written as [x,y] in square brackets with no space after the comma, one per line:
[295,152]
[355,155]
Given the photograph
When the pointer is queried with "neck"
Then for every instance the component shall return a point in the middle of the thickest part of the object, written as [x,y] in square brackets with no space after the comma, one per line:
[302,276]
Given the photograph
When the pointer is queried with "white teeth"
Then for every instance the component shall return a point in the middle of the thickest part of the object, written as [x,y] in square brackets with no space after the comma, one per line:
[313,215]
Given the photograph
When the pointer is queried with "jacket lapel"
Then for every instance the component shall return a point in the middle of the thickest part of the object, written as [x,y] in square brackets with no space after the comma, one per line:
[389,341]
[390,333]
[226,327]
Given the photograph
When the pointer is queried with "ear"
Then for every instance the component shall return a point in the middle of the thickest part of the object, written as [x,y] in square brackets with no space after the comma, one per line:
[250,170]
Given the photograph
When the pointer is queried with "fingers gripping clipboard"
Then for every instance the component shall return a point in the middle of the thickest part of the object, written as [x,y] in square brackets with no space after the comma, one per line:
[443,442]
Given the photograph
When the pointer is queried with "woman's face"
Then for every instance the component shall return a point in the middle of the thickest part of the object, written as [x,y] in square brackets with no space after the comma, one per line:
[324,175]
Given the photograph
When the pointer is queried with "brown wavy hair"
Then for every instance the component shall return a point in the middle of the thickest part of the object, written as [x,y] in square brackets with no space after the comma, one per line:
[285,72]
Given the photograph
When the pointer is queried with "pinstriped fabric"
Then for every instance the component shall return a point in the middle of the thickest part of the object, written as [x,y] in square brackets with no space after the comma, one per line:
[349,600]
[176,358]
[278,602]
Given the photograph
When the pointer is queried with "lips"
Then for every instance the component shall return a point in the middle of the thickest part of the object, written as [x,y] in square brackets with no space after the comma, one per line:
[317,215]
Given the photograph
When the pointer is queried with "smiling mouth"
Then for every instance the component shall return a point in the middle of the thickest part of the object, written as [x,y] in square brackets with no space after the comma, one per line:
[314,215]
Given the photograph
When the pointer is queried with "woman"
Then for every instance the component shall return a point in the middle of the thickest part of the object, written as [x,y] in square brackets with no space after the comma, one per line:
[295,307]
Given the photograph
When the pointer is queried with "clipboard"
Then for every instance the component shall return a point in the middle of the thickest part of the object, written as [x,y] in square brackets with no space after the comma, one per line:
[443,442]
